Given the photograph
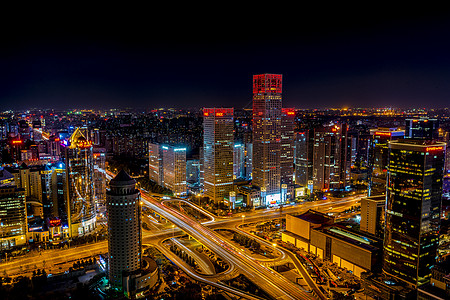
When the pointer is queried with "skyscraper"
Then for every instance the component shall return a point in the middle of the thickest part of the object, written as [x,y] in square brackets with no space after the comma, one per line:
[238,161]
[422,128]
[267,98]
[155,163]
[124,229]
[413,206]
[13,213]
[174,169]
[378,157]
[79,162]
[327,162]
[303,159]
[287,145]
[218,143]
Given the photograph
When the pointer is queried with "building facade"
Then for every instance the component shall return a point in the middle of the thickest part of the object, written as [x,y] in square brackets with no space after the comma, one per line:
[174,169]
[413,206]
[155,163]
[287,146]
[218,146]
[124,229]
[267,100]
[80,196]
[13,213]
[378,158]
[422,128]
[303,159]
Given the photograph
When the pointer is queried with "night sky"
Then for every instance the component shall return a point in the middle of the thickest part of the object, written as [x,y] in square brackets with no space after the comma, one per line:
[375,57]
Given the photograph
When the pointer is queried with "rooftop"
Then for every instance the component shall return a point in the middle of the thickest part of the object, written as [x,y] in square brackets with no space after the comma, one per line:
[316,217]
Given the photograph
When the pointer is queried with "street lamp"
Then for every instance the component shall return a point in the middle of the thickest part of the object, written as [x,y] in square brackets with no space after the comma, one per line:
[275,246]
[173,230]
[243,219]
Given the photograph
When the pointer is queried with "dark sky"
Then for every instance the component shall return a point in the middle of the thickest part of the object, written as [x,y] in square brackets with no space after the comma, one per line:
[368,57]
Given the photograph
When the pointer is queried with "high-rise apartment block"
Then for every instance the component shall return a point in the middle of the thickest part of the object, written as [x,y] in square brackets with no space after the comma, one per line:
[413,207]
[267,99]
[218,143]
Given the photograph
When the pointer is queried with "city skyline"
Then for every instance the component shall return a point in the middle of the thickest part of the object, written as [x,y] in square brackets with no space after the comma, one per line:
[271,154]
[376,59]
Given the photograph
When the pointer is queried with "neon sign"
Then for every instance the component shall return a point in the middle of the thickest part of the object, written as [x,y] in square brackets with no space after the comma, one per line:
[435,148]
[383,133]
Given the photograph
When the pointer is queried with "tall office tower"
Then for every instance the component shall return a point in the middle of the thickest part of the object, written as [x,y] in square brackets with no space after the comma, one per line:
[248,165]
[413,207]
[54,147]
[99,155]
[287,145]
[155,163]
[218,141]
[238,161]
[79,162]
[24,130]
[326,158]
[60,206]
[267,91]
[174,169]
[13,213]
[124,229]
[345,152]
[303,160]
[46,191]
[378,158]
[422,128]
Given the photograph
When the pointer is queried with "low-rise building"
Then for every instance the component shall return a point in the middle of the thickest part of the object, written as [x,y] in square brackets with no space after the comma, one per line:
[317,233]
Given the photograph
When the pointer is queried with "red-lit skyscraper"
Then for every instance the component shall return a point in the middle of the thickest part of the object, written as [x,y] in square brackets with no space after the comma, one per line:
[267,135]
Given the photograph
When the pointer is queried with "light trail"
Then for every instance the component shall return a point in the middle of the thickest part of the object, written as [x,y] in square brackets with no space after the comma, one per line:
[272,282]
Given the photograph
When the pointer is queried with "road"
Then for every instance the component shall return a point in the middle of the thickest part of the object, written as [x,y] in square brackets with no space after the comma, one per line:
[56,256]
[267,279]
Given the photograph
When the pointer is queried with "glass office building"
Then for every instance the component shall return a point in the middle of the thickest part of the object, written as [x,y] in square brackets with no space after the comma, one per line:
[378,157]
[413,205]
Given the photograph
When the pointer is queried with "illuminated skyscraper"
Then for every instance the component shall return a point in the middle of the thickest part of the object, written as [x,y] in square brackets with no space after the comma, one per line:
[124,229]
[378,157]
[79,162]
[238,161]
[155,163]
[287,145]
[267,89]
[327,162]
[13,213]
[413,206]
[422,128]
[174,169]
[218,142]
[304,145]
